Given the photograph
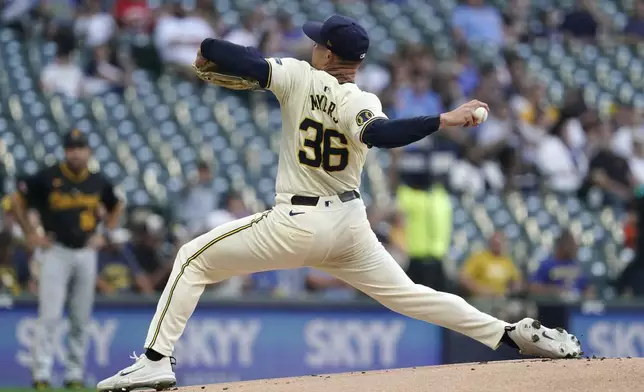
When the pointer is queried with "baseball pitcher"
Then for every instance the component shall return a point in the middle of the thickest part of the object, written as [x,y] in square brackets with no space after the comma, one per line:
[319,219]
[68,197]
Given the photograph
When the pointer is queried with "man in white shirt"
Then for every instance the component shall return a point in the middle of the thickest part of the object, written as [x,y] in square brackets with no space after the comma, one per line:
[95,26]
[63,75]
[248,34]
[562,166]
[629,124]
[636,161]
[178,36]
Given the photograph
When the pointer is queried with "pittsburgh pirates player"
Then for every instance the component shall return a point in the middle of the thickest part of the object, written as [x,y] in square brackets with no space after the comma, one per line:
[319,219]
[68,197]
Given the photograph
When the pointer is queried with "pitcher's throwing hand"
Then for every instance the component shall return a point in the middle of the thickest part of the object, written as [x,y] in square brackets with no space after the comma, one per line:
[463,116]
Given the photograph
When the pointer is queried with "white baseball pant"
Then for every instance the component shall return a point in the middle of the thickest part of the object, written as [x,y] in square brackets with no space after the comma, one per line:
[332,236]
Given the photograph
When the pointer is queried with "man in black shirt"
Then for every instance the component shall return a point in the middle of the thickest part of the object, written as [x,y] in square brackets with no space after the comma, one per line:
[607,171]
[71,200]
[147,248]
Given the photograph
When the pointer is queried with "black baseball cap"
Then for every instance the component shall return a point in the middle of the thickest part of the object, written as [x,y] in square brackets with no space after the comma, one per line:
[341,35]
[75,138]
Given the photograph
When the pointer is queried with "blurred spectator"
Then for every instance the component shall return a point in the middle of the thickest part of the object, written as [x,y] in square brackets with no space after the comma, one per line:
[95,26]
[489,88]
[514,74]
[327,286]
[13,11]
[232,208]
[146,246]
[428,230]
[562,165]
[118,270]
[197,200]
[549,23]
[495,133]
[574,116]
[106,71]
[516,17]
[607,171]
[419,99]
[495,149]
[373,77]
[9,283]
[292,41]
[491,273]
[396,243]
[474,21]
[561,274]
[630,230]
[14,254]
[629,282]
[270,43]
[21,15]
[400,78]
[467,73]
[63,75]
[532,106]
[3,170]
[133,15]
[178,36]
[634,30]
[449,90]
[208,11]
[279,283]
[579,24]
[389,226]
[250,30]
[636,161]
[584,21]
[298,282]
[629,123]
[421,59]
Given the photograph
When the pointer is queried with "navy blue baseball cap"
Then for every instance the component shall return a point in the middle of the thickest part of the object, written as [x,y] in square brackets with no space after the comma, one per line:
[341,35]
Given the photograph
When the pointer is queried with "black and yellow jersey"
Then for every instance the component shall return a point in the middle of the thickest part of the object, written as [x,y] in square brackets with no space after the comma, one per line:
[68,202]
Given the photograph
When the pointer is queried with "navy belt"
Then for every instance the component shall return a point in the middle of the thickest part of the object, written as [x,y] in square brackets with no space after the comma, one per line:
[313,200]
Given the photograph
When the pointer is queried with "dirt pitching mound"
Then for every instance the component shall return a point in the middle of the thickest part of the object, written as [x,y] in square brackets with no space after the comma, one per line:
[572,375]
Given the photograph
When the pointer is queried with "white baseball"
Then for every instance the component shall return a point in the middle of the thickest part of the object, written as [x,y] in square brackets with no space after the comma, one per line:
[480,115]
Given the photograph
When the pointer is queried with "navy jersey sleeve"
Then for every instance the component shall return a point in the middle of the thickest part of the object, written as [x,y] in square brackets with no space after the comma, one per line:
[398,133]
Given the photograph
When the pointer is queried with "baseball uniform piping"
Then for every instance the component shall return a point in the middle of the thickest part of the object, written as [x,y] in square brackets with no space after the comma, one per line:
[364,126]
[190,259]
[270,74]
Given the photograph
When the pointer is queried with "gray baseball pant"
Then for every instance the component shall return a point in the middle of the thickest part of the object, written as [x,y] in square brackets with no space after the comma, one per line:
[67,276]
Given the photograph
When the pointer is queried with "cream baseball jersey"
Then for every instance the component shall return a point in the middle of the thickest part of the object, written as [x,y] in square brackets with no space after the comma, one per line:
[321,152]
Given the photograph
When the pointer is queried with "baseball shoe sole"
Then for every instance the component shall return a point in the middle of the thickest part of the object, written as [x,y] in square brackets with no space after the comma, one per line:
[144,373]
[535,339]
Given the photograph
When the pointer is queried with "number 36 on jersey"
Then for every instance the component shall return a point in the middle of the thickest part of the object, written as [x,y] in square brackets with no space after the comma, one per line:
[323,147]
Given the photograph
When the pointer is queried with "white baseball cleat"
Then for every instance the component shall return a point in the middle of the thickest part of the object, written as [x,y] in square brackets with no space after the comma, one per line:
[142,374]
[535,339]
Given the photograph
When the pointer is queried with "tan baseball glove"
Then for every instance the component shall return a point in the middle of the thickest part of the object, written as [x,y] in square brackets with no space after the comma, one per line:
[206,70]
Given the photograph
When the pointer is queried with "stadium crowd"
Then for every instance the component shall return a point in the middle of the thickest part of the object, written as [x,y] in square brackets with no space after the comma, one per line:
[527,142]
